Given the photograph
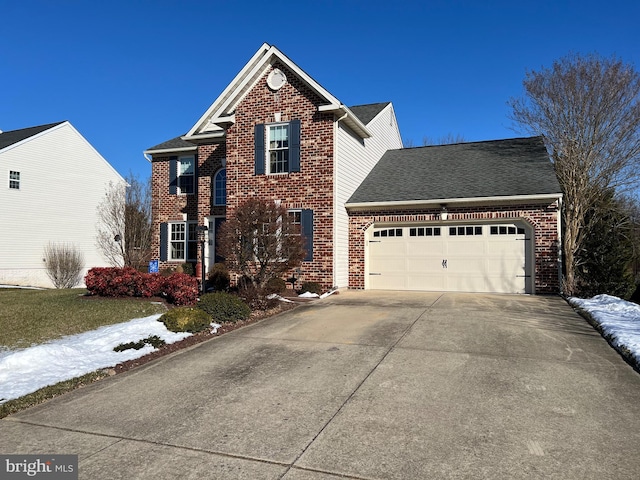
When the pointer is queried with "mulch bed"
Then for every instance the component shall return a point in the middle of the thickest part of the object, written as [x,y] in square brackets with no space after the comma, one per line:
[200,337]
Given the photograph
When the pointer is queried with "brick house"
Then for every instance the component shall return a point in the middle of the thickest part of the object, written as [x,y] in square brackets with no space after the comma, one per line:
[275,133]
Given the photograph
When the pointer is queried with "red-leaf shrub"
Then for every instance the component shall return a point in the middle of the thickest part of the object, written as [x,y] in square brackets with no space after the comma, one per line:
[181,289]
[112,281]
[178,288]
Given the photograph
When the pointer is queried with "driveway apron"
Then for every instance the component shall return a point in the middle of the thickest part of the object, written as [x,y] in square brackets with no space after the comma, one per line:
[368,385]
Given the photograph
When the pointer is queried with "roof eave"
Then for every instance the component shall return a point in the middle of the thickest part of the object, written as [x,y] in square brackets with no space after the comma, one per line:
[221,112]
[472,201]
[152,151]
[348,117]
[204,137]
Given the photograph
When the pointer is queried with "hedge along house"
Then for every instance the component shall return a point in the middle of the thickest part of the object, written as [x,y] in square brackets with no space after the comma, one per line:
[273,133]
[467,217]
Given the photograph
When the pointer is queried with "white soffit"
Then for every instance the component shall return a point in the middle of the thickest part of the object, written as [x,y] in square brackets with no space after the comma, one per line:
[222,110]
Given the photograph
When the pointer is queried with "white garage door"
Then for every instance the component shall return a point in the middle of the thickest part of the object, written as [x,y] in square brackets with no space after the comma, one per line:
[458,258]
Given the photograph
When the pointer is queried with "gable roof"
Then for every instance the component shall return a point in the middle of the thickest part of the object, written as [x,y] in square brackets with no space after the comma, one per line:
[221,112]
[495,170]
[366,113]
[14,136]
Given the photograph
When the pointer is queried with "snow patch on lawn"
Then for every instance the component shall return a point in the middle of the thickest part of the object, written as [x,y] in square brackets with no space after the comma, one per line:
[27,370]
[619,320]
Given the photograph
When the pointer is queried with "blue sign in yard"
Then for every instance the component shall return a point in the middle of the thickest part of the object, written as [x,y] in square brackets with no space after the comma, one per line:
[153,266]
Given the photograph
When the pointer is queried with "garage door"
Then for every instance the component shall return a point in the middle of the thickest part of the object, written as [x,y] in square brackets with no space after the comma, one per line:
[458,258]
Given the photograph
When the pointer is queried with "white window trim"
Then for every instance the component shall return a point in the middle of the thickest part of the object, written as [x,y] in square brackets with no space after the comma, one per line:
[170,257]
[192,158]
[215,189]
[267,149]
[16,180]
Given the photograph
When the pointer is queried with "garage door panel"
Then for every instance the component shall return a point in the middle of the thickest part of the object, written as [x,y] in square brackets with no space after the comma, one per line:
[426,281]
[466,283]
[465,248]
[426,249]
[466,266]
[465,258]
[390,281]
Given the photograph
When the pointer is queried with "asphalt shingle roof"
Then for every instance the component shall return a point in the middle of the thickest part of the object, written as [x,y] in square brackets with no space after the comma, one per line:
[366,113]
[511,167]
[173,143]
[15,136]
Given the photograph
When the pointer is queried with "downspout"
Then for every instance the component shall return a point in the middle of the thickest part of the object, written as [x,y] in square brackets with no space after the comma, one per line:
[560,256]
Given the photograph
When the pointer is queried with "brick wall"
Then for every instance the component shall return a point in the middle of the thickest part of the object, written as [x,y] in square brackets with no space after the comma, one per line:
[543,219]
[312,187]
[168,208]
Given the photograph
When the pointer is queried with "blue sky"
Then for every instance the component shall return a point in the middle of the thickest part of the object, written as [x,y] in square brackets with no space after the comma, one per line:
[131,74]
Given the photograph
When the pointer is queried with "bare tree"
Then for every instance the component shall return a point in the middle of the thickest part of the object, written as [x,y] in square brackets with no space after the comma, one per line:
[587,109]
[64,264]
[261,241]
[124,228]
[448,139]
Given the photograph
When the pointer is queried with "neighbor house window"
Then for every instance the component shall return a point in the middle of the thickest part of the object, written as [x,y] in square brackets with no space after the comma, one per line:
[278,148]
[220,187]
[14,180]
[183,241]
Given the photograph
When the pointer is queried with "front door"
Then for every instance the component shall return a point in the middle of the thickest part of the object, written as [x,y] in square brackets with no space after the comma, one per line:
[211,252]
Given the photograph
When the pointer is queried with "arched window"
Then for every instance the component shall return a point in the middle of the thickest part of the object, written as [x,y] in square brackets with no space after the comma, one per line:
[220,187]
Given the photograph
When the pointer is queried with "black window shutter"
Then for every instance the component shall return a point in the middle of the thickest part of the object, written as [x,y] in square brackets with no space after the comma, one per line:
[164,240]
[195,173]
[258,138]
[306,218]
[173,175]
[294,146]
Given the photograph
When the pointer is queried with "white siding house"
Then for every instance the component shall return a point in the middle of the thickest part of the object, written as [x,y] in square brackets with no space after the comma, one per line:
[52,183]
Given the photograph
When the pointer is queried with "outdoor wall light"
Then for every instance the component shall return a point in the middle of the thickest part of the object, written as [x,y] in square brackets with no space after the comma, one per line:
[443,213]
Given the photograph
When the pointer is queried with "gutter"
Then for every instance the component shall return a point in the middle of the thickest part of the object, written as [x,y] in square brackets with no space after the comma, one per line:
[169,150]
[351,120]
[206,136]
[452,201]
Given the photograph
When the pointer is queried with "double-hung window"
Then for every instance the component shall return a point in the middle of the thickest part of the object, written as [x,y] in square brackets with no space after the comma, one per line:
[277,147]
[186,174]
[303,219]
[183,241]
[14,180]
[182,172]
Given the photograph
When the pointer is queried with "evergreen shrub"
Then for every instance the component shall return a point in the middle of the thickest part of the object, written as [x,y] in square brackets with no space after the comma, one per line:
[224,307]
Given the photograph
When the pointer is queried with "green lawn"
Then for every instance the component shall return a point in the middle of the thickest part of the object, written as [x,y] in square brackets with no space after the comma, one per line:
[29,317]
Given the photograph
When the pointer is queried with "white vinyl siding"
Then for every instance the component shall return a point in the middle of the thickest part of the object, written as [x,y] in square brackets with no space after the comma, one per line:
[63,179]
[354,161]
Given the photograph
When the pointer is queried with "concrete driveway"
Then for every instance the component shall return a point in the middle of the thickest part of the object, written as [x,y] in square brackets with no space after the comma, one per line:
[362,385]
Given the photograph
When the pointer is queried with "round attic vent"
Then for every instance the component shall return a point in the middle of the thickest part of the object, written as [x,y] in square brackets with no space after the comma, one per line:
[276,79]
